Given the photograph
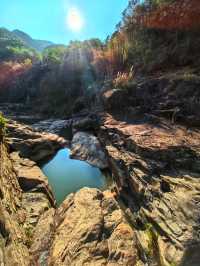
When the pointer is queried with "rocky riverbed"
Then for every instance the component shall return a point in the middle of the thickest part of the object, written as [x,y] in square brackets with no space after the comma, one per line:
[89,223]
[150,216]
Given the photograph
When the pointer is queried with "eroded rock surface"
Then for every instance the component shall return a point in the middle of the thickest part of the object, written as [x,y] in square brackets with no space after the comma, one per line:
[156,167]
[32,144]
[66,128]
[50,125]
[30,176]
[87,147]
[87,229]
[24,196]
[13,249]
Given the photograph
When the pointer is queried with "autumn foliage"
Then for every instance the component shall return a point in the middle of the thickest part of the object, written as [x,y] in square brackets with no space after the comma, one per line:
[10,71]
[178,15]
[155,34]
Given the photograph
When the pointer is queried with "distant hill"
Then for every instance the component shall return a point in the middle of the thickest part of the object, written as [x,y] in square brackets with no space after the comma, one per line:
[38,45]
[6,34]
[14,48]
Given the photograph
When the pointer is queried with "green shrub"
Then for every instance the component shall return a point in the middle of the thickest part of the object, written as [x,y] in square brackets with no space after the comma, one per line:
[2,126]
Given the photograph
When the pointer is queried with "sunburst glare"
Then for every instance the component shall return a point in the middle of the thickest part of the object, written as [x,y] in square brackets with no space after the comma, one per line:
[75,19]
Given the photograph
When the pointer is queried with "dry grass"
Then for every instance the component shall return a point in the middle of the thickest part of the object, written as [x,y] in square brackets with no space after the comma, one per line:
[123,79]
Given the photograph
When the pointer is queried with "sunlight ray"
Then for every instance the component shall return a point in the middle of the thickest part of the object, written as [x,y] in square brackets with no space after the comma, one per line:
[75,19]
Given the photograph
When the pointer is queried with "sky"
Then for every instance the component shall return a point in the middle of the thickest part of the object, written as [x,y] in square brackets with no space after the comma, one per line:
[60,21]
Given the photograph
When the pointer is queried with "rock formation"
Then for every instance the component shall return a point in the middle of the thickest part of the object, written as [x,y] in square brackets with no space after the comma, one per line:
[24,190]
[156,169]
[150,216]
[32,144]
[86,147]
[87,229]
[13,247]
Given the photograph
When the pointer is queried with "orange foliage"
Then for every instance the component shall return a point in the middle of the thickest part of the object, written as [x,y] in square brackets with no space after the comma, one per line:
[103,63]
[99,62]
[180,15]
[9,71]
[108,61]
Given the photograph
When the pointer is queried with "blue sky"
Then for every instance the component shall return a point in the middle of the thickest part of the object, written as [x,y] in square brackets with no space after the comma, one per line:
[47,19]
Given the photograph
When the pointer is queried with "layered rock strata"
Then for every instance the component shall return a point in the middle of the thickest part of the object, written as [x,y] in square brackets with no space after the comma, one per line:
[157,171]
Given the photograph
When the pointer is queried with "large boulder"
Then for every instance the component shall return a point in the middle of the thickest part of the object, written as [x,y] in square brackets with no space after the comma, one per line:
[115,99]
[87,229]
[88,148]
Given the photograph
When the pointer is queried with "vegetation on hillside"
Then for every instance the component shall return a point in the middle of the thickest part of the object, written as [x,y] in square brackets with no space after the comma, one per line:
[146,40]
[38,45]
[12,48]
[69,77]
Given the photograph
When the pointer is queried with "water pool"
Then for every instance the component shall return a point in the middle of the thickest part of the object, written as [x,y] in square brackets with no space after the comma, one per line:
[67,175]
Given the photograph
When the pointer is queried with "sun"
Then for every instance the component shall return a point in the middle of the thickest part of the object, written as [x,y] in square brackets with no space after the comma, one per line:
[74,19]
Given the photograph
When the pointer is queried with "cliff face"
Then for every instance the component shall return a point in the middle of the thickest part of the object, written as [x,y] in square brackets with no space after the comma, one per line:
[153,146]
[13,249]
[157,170]
[24,191]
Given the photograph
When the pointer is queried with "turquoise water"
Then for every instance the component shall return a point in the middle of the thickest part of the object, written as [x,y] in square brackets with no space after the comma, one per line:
[66,175]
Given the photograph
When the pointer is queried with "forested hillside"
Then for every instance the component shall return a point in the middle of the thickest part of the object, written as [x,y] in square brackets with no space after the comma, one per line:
[153,37]
[13,48]
[38,45]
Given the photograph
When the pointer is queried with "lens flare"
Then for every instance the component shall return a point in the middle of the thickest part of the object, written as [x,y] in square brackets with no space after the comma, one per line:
[74,19]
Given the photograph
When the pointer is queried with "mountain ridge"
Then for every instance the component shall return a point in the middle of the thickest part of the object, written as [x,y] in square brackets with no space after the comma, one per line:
[25,39]
[38,45]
